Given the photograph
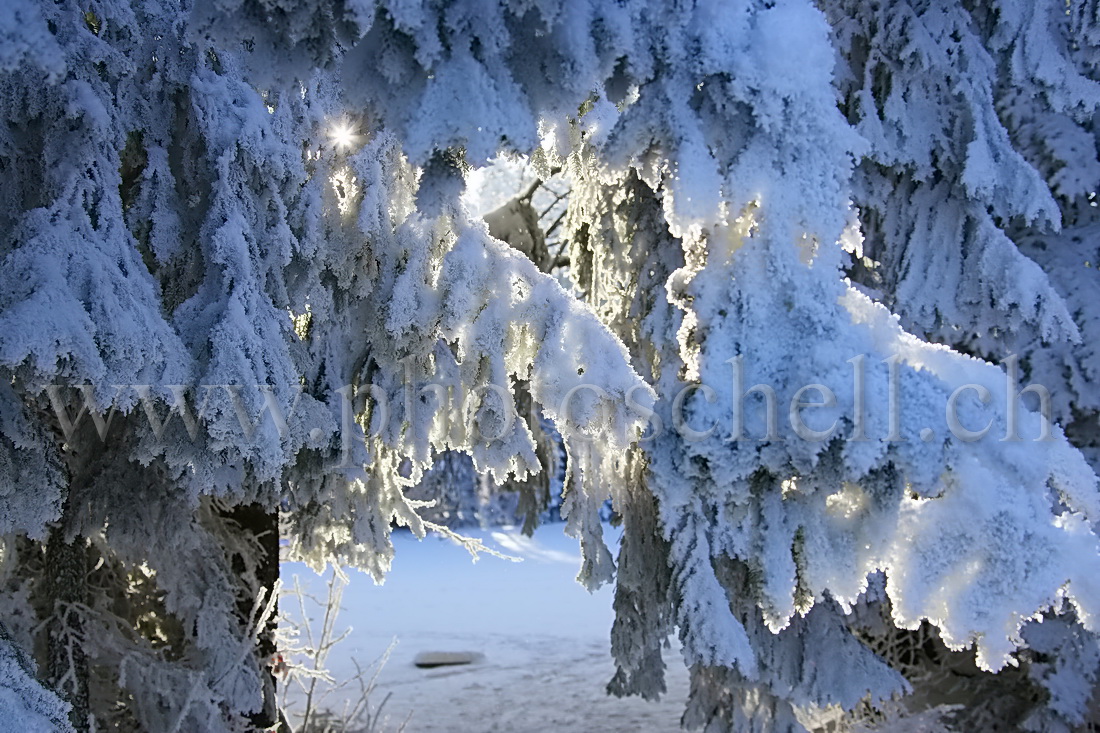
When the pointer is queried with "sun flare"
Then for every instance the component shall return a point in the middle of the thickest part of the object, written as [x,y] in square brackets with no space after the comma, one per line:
[342,135]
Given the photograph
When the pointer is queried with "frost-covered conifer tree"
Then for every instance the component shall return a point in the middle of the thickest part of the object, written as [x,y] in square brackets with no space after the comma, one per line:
[233,235]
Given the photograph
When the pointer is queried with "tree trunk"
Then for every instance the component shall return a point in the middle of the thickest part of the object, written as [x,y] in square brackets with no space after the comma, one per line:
[66,574]
[262,523]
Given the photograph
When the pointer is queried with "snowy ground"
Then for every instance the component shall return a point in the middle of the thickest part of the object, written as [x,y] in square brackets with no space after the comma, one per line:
[543,637]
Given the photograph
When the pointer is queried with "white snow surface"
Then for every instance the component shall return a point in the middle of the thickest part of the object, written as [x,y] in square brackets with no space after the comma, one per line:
[544,637]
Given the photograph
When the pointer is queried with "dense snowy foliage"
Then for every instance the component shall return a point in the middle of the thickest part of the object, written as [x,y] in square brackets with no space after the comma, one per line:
[238,275]
[26,705]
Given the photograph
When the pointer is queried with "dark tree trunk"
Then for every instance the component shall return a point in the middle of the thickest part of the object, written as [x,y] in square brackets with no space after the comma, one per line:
[262,523]
[84,449]
[65,586]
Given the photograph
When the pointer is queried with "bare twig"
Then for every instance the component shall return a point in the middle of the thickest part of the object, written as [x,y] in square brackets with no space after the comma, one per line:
[310,674]
[557,199]
[530,191]
[557,222]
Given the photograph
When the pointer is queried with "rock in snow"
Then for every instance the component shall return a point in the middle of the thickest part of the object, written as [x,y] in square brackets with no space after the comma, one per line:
[443,659]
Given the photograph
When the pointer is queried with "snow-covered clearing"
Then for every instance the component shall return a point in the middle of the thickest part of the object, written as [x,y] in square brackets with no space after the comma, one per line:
[545,639]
